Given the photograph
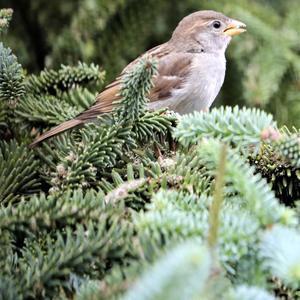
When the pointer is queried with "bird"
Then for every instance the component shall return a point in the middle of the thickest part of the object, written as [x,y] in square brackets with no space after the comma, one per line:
[191,70]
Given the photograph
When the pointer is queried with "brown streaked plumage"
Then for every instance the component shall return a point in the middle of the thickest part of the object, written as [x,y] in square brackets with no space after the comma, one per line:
[191,69]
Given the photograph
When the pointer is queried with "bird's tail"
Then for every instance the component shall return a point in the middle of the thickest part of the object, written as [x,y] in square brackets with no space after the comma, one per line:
[58,129]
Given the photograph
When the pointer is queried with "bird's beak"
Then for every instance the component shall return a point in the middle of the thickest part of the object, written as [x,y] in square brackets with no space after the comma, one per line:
[235,28]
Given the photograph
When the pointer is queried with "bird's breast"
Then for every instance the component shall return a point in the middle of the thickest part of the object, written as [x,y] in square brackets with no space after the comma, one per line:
[202,84]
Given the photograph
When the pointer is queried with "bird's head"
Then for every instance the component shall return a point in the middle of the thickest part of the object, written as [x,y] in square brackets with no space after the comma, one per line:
[206,31]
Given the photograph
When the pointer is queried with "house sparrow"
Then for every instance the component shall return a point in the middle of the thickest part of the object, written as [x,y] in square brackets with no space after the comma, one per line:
[191,69]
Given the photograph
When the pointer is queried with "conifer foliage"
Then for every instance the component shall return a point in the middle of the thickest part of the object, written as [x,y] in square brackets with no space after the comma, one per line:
[111,211]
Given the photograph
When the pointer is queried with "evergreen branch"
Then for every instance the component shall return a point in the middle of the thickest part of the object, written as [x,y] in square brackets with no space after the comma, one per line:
[136,85]
[11,77]
[17,172]
[44,270]
[186,267]
[41,212]
[79,97]
[135,185]
[164,222]
[3,115]
[241,127]
[54,110]
[152,122]
[283,178]
[9,289]
[172,217]
[117,281]
[290,27]
[254,191]
[90,290]
[48,109]
[7,256]
[289,148]
[279,249]
[123,190]
[277,160]
[247,191]
[51,81]
[114,33]
[246,292]
[73,43]
[77,163]
[259,75]
[193,174]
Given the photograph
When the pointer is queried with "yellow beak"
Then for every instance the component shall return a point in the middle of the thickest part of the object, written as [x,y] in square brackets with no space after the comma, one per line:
[235,28]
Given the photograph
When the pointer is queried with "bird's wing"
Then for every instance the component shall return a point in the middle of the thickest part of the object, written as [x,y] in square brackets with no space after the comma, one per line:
[173,69]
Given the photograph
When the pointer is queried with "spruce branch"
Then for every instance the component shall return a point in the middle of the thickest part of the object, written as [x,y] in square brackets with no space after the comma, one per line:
[186,267]
[134,184]
[76,163]
[8,257]
[259,75]
[45,212]
[136,85]
[89,290]
[11,77]
[289,148]
[47,109]
[17,172]
[119,279]
[42,271]
[9,289]
[241,178]
[173,216]
[153,123]
[240,127]
[277,161]
[53,110]
[3,115]
[192,173]
[279,249]
[67,77]
[247,292]
[123,190]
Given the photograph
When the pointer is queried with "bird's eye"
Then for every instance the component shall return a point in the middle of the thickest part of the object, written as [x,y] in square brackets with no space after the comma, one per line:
[216,24]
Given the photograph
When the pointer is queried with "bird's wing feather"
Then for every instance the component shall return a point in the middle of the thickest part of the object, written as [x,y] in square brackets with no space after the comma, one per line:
[173,69]
[173,72]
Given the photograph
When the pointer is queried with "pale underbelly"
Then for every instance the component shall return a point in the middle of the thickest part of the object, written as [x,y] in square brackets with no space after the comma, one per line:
[189,99]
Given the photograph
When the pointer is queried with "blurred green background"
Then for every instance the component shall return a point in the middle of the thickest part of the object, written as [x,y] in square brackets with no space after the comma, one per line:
[263,65]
